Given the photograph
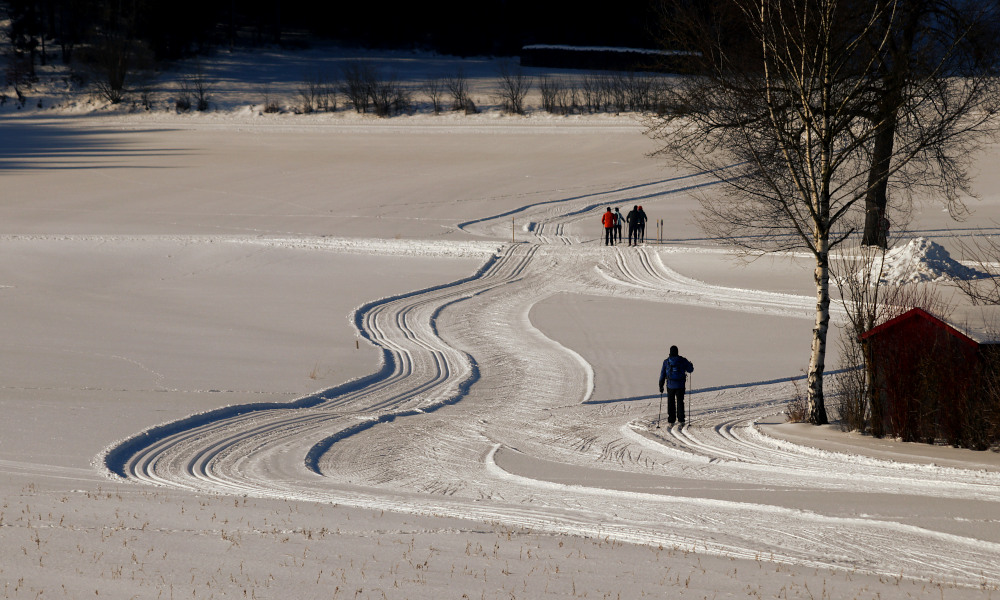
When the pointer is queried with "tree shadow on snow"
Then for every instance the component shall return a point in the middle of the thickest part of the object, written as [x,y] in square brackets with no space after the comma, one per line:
[39,144]
[713,389]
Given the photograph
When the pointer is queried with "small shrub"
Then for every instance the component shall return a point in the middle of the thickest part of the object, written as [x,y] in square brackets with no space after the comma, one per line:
[202,97]
[327,100]
[194,92]
[270,104]
[558,98]
[183,102]
[615,90]
[308,92]
[318,93]
[113,61]
[852,386]
[458,87]
[144,86]
[550,89]
[435,88]
[367,90]
[590,93]
[795,411]
[512,87]
[20,74]
[359,79]
[389,97]
[111,58]
[643,92]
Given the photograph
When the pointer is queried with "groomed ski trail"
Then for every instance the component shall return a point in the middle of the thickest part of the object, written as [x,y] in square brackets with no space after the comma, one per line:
[472,405]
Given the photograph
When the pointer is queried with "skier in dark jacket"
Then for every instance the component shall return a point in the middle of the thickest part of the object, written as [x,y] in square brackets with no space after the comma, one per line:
[674,373]
[641,226]
[633,225]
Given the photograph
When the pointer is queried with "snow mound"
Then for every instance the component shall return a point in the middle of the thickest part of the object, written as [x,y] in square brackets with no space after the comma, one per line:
[921,260]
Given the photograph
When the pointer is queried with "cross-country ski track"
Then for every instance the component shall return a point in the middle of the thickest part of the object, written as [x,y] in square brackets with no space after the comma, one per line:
[473,409]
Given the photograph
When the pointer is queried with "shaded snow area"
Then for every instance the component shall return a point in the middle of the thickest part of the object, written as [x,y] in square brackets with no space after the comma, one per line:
[921,260]
[251,355]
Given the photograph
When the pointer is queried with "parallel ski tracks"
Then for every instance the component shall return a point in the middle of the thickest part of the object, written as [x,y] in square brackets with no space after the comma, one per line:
[465,375]
[737,450]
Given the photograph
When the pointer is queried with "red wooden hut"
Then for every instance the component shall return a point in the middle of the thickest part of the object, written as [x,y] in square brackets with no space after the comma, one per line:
[934,380]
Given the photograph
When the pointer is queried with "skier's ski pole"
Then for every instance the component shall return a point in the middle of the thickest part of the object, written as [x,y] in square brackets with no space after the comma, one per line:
[659,411]
[690,405]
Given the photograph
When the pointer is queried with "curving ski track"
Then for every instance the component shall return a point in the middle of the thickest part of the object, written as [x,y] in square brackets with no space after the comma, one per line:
[468,385]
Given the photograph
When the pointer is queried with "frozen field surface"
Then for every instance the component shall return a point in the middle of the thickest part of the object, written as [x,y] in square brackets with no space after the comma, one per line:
[343,357]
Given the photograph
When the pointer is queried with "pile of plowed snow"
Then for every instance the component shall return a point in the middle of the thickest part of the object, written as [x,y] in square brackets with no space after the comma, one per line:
[918,261]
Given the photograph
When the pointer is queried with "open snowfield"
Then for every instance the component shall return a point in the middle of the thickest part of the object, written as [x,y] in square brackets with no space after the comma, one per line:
[300,356]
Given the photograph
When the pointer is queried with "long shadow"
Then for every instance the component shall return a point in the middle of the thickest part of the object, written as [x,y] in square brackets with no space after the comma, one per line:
[590,207]
[46,143]
[716,388]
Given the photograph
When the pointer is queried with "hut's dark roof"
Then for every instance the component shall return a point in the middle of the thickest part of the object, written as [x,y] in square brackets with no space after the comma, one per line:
[976,324]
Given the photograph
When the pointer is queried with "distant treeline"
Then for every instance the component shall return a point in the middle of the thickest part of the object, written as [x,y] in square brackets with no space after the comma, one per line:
[41,29]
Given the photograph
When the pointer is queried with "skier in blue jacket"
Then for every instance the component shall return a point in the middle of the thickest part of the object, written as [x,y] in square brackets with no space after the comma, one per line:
[674,373]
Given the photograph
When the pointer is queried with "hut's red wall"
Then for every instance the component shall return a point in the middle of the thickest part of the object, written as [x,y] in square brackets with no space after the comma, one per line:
[925,374]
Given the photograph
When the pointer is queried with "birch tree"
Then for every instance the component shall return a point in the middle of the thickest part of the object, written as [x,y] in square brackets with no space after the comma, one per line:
[780,116]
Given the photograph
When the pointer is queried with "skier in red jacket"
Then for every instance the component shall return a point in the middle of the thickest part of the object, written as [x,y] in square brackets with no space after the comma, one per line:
[608,220]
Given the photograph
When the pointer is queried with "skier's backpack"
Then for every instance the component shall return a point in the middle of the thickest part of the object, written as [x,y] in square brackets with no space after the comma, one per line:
[675,371]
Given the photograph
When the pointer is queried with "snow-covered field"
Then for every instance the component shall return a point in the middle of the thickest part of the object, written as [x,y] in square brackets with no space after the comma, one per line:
[332,356]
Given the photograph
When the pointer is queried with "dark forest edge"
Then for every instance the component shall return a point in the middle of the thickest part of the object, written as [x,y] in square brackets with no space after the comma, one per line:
[161,31]
[114,48]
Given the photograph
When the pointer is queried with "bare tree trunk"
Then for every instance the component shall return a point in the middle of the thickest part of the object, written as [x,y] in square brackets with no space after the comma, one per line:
[886,121]
[876,200]
[815,405]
